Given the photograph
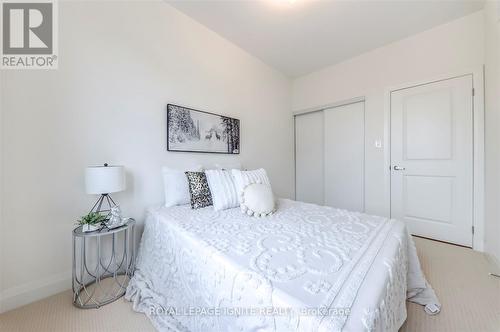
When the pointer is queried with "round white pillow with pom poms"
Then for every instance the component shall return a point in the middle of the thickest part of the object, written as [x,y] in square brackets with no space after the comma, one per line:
[257,200]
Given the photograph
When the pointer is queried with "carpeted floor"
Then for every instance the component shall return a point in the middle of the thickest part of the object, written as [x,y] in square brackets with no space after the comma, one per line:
[470,298]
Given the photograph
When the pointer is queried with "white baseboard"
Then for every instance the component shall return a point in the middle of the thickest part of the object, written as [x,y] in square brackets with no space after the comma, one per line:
[18,296]
[494,263]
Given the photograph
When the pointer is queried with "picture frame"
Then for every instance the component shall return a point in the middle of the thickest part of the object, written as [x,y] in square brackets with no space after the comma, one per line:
[191,130]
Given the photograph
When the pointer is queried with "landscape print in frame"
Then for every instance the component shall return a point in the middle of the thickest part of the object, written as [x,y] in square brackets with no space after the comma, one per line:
[190,130]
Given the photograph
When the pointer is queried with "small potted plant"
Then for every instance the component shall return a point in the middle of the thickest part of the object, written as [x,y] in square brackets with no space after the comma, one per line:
[91,221]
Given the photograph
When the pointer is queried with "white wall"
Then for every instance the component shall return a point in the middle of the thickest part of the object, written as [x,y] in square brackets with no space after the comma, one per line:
[455,46]
[2,232]
[492,114]
[120,64]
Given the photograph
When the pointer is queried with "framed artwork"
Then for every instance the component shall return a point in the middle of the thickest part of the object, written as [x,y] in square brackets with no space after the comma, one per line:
[190,130]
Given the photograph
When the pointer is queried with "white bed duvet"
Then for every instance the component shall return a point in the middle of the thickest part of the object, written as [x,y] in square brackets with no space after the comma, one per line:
[306,268]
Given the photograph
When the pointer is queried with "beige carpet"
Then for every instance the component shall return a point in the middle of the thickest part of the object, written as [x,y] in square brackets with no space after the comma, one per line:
[470,298]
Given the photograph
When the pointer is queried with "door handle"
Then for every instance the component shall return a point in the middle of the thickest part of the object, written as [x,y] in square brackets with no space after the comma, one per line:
[397,168]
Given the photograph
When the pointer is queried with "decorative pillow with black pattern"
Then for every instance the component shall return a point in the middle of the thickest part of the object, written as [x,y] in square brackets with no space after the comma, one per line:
[199,190]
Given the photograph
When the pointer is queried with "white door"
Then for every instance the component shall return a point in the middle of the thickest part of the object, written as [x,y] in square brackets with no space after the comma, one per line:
[345,156]
[309,158]
[432,159]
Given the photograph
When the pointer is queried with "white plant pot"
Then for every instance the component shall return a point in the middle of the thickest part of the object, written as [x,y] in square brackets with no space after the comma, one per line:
[89,228]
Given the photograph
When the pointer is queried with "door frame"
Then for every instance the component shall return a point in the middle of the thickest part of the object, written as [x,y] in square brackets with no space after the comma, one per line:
[477,73]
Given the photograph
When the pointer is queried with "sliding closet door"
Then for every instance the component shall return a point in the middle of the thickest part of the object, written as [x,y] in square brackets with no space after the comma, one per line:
[309,158]
[344,156]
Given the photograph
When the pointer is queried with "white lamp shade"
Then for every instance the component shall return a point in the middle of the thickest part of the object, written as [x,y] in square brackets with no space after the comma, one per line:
[104,179]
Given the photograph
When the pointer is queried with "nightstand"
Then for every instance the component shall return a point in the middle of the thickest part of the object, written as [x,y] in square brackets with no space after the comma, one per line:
[103,263]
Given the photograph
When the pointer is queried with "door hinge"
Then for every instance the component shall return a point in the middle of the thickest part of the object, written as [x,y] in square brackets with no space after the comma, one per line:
[472,229]
[473,92]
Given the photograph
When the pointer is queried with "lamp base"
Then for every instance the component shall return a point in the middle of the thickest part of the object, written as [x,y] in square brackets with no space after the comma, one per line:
[103,204]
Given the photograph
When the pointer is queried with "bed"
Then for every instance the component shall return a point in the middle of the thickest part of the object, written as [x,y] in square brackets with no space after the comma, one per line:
[305,268]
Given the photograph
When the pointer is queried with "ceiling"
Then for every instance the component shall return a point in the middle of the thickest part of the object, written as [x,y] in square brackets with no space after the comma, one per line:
[300,36]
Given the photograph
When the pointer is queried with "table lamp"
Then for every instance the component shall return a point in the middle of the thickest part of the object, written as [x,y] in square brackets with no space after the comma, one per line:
[104,180]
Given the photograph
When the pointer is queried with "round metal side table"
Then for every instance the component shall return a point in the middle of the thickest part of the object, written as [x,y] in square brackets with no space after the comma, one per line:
[103,263]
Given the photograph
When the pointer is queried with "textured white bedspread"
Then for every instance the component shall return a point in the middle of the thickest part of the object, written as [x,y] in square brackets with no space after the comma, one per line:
[306,268]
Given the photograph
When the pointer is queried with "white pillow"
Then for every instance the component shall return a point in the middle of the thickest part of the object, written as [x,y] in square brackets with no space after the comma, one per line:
[221,183]
[257,200]
[176,186]
[244,178]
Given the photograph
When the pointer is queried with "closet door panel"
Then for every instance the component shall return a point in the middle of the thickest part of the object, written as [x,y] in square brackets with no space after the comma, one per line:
[309,159]
[344,157]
